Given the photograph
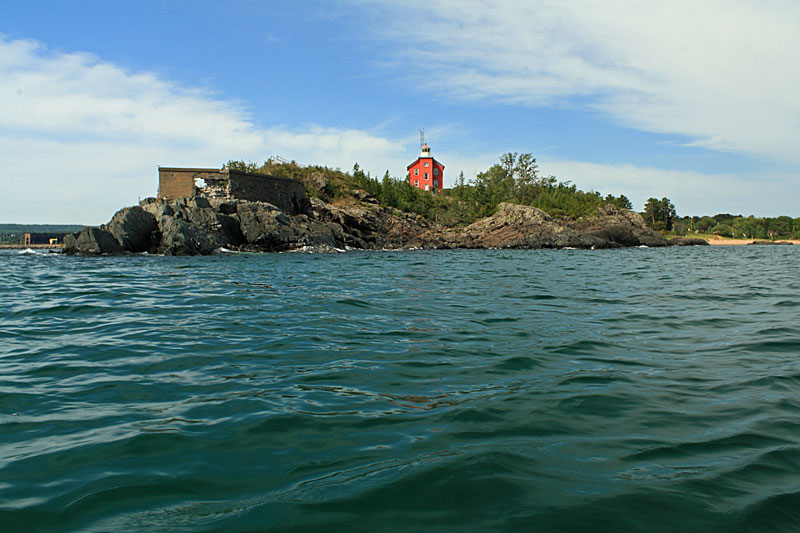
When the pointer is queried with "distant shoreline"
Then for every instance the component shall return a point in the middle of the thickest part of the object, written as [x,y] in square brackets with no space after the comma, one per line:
[24,246]
[721,241]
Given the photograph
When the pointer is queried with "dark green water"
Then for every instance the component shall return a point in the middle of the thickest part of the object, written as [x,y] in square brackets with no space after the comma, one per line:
[627,390]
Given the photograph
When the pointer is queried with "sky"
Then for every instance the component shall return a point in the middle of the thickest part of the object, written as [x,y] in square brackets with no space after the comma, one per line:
[694,101]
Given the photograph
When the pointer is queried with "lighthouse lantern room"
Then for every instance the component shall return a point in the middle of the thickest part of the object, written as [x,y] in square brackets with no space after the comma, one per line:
[426,173]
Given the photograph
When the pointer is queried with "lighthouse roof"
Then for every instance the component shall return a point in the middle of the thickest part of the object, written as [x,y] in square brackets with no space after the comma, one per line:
[425,158]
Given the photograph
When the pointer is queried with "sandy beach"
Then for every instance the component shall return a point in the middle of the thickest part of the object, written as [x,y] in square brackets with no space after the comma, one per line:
[722,241]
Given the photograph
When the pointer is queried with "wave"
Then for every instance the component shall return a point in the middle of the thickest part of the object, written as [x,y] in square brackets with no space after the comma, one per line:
[483,390]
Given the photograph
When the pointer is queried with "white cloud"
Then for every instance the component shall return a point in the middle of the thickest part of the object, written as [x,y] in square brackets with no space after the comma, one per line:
[81,138]
[724,74]
[693,193]
[340,148]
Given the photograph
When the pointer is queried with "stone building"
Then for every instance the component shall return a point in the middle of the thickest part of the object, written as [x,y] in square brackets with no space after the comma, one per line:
[286,194]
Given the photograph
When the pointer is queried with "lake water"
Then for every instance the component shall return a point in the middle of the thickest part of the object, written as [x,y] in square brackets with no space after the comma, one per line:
[628,390]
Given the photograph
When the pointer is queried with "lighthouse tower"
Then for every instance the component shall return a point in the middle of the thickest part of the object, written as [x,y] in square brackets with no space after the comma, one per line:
[426,173]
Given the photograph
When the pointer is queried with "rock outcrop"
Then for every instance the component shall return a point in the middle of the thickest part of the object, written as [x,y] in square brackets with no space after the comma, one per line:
[688,241]
[92,241]
[518,226]
[620,228]
[135,229]
[201,226]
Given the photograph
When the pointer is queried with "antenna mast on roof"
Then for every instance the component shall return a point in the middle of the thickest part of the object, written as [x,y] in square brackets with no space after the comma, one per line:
[421,138]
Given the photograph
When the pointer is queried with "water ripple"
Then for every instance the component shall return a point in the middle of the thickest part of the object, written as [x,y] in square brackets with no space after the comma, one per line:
[514,390]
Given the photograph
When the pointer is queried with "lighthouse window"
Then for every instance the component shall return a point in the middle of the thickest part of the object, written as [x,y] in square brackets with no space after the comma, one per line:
[435,183]
[426,175]
[427,164]
[416,172]
[416,183]
[435,171]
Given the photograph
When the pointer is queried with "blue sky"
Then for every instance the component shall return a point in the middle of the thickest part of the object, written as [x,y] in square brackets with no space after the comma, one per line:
[693,101]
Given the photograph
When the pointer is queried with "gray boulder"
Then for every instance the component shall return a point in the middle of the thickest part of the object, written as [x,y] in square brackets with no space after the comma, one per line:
[263,224]
[317,183]
[91,241]
[135,229]
[193,226]
[265,228]
[620,228]
[181,237]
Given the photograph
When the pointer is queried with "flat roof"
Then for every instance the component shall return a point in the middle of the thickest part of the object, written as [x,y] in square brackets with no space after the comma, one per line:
[190,169]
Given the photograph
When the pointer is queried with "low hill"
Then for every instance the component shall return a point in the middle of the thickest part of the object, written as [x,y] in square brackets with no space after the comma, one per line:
[514,180]
[14,233]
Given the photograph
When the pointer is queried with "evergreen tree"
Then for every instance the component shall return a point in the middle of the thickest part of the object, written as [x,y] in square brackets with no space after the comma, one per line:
[659,213]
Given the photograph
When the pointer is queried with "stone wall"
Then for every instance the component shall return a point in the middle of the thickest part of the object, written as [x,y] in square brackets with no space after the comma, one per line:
[179,182]
[286,194]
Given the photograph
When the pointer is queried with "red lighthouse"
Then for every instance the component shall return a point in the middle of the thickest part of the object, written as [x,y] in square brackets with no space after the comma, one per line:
[426,172]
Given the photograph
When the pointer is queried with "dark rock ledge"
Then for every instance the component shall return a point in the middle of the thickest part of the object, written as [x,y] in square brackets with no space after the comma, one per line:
[198,226]
[688,241]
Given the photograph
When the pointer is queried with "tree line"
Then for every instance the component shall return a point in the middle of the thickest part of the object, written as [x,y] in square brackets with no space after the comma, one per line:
[738,226]
[14,233]
[515,178]
[661,216]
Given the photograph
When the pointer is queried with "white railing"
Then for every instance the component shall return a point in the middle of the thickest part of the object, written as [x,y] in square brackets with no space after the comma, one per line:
[283,161]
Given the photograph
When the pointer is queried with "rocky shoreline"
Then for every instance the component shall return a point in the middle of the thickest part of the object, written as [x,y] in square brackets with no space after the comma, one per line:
[201,226]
